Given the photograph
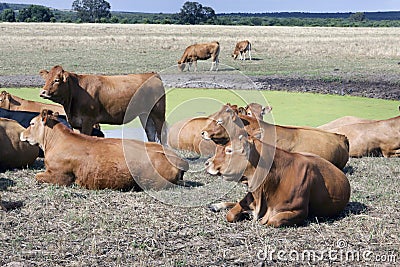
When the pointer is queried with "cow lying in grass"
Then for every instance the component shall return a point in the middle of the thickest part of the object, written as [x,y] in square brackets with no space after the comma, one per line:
[186,134]
[13,152]
[99,163]
[12,102]
[374,138]
[330,146]
[283,188]
[200,52]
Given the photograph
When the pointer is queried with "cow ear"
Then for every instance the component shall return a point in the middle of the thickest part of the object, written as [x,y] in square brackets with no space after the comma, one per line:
[43,115]
[43,74]
[65,76]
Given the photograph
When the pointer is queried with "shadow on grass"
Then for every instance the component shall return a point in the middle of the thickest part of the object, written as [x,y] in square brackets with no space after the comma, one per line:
[11,205]
[348,170]
[6,183]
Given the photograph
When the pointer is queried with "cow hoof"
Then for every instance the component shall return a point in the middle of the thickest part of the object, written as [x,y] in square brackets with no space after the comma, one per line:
[214,207]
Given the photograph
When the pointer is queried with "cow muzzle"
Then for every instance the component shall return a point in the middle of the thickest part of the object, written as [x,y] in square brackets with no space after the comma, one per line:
[44,94]
[205,135]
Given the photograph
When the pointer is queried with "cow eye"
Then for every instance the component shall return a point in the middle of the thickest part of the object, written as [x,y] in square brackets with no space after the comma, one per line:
[219,122]
[228,150]
[32,123]
[249,113]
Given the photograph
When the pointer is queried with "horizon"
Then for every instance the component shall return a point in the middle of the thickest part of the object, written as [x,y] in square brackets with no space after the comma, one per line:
[241,6]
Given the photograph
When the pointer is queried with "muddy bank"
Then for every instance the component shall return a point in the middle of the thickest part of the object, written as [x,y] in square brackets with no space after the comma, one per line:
[374,89]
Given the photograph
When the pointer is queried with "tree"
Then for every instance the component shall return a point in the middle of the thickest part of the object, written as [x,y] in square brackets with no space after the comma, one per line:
[358,16]
[195,13]
[35,13]
[92,10]
[8,15]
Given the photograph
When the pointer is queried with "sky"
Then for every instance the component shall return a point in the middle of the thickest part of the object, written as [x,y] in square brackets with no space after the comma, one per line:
[233,6]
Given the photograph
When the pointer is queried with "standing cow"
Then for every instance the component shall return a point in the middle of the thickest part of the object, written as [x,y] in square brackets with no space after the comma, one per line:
[200,52]
[240,50]
[91,99]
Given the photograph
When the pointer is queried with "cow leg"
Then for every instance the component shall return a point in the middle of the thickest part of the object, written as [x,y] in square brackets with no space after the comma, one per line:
[159,120]
[221,206]
[149,127]
[241,208]
[286,218]
[195,65]
[249,54]
[55,178]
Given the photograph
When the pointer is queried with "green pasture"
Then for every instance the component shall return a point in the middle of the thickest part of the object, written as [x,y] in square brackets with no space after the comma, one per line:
[288,108]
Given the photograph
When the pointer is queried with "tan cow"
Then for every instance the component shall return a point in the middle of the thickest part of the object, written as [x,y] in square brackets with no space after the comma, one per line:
[91,99]
[240,50]
[200,52]
[13,102]
[99,163]
[330,146]
[186,134]
[375,138]
[346,120]
[13,152]
[283,188]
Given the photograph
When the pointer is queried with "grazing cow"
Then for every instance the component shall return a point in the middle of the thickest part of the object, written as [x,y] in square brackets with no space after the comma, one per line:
[200,52]
[346,120]
[240,50]
[330,146]
[99,163]
[186,134]
[91,99]
[375,138]
[13,152]
[284,188]
[12,102]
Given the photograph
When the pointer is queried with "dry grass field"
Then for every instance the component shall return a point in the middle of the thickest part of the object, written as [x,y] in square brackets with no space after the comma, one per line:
[47,225]
[329,53]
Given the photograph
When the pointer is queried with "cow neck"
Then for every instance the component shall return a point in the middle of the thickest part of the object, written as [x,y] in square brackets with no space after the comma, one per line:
[52,135]
[68,102]
[266,167]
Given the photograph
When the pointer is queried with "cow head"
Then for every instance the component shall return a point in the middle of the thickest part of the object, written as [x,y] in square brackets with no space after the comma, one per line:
[181,65]
[35,133]
[4,100]
[225,123]
[257,111]
[55,83]
[235,54]
[230,161]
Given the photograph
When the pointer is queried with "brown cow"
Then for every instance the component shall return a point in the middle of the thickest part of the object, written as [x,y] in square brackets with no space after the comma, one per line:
[13,102]
[346,120]
[240,50]
[375,138]
[91,99]
[186,134]
[13,152]
[99,163]
[200,52]
[284,188]
[330,146]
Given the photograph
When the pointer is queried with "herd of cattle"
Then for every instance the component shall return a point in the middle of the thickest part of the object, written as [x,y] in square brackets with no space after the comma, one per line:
[291,172]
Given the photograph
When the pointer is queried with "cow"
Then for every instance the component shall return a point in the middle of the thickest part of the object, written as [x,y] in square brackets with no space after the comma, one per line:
[240,50]
[200,52]
[186,134]
[13,102]
[346,120]
[330,146]
[255,110]
[13,152]
[99,163]
[91,99]
[24,118]
[284,188]
[375,138]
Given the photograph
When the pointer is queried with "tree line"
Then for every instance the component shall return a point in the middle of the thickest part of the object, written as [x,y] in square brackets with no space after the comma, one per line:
[99,11]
